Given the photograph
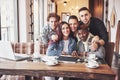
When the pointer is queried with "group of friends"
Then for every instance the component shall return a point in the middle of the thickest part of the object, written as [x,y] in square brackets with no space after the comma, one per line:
[74,37]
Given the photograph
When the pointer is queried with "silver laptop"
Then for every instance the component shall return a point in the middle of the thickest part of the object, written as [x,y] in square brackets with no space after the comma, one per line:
[6,52]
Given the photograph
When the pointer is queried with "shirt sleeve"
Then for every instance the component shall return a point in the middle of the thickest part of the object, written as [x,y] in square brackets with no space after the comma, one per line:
[44,35]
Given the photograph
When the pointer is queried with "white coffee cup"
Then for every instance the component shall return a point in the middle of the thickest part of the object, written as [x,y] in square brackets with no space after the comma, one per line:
[92,63]
[92,56]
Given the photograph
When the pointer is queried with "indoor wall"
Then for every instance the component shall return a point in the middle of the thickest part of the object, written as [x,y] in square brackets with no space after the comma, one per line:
[72,6]
[113,17]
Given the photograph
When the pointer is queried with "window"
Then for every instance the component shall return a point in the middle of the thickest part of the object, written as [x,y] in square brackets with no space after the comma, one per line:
[65,16]
[8,19]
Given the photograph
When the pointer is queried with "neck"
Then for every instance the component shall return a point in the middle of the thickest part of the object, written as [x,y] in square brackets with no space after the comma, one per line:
[65,38]
[86,38]
[88,23]
[53,29]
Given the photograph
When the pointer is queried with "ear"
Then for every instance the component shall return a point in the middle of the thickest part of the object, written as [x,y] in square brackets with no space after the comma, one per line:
[79,17]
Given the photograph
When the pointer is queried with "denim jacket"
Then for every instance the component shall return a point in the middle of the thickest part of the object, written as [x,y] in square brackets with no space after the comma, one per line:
[55,49]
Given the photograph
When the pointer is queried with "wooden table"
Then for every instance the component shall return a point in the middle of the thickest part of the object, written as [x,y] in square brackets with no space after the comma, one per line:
[77,70]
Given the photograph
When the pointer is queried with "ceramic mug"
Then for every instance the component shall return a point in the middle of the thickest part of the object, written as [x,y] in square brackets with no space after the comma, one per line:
[92,63]
[92,56]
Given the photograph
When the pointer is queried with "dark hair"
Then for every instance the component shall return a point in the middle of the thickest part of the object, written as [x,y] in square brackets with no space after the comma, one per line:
[60,30]
[83,27]
[53,15]
[73,17]
[83,8]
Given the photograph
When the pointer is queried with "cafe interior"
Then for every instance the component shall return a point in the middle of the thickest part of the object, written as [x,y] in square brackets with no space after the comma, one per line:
[21,23]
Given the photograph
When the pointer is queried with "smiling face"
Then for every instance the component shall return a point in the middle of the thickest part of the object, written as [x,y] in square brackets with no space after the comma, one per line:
[83,34]
[84,16]
[73,24]
[53,22]
[65,31]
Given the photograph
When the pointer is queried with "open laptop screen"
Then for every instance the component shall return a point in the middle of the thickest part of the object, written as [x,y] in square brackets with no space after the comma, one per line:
[6,51]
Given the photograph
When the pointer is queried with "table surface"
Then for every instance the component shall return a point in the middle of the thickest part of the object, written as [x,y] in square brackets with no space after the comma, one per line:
[79,70]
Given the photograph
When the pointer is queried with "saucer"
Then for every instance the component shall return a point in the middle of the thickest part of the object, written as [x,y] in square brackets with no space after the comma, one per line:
[51,63]
[92,58]
[92,66]
[48,58]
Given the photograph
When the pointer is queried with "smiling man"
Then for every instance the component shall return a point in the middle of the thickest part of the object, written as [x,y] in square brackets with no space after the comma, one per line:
[49,32]
[95,25]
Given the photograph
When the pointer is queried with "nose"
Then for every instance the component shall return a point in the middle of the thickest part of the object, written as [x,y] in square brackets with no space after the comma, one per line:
[72,25]
[65,30]
[53,23]
[81,35]
[84,17]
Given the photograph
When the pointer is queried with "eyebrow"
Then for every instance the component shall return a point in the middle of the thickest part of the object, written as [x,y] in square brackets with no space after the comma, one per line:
[85,14]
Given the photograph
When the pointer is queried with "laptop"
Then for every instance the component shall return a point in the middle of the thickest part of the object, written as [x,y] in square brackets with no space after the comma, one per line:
[6,52]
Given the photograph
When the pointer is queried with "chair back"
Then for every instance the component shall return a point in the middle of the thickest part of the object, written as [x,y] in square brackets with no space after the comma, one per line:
[23,47]
[27,47]
[109,50]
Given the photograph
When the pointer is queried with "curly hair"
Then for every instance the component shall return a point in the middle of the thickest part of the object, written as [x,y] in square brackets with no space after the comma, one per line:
[55,15]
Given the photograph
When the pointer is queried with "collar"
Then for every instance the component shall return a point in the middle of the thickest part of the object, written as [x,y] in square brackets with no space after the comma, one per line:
[89,36]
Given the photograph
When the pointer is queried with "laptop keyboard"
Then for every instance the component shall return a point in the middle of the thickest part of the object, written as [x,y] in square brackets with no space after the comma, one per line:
[21,56]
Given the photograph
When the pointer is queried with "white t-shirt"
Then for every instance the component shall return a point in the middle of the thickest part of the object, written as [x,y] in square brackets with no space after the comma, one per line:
[65,48]
[86,43]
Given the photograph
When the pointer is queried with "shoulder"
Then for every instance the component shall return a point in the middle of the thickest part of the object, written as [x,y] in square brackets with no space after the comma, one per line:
[79,43]
[61,43]
[80,22]
[95,20]
[46,27]
[52,44]
[90,37]
[72,39]
[101,48]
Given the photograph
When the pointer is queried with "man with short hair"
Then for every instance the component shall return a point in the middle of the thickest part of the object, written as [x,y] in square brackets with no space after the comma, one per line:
[86,45]
[49,32]
[95,25]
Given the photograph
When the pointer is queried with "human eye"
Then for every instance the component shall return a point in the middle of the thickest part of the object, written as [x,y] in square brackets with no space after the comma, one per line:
[84,33]
[67,27]
[86,14]
[75,23]
[81,15]
[51,21]
[63,28]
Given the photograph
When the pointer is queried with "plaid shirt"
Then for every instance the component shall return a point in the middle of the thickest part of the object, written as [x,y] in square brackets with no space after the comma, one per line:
[46,34]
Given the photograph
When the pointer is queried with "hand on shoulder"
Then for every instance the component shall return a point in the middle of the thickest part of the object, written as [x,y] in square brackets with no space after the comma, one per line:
[97,39]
